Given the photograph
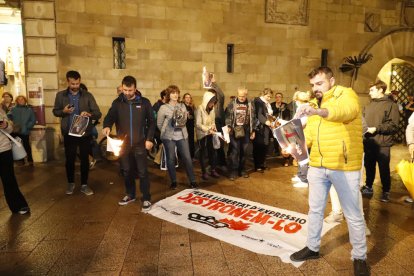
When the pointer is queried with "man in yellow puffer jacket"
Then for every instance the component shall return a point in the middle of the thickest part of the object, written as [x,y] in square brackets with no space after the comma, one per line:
[334,134]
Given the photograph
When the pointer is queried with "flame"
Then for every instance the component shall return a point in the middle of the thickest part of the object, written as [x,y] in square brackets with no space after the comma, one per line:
[236,225]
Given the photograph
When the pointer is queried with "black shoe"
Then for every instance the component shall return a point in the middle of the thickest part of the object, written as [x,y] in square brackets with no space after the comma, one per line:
[24,210]
[385,197]
[233,176]
[367,191]
[244,174]
[260,170]
[361,268]
[173,186]
[304,254]
[194,185]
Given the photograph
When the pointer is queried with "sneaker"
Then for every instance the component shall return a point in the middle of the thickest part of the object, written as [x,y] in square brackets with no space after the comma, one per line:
[367,231]
[304,254]
[361,268]
[70,189]
[334,217]
[92,164]
[214,174]
[385,197]
[126,200]
[194,185]
[146,206]
[173,186]
[286,164]
[300,184]
[204,176]
[86,190]
[260,170]
[367,191]
[409,200]
[24,210]
[244,174]
[295,179]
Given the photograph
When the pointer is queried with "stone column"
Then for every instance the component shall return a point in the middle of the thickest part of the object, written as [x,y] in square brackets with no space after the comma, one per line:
[39,32]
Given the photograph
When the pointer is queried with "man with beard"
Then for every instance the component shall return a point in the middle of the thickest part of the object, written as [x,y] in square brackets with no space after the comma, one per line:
[68,103]
[334,134]
[135,122]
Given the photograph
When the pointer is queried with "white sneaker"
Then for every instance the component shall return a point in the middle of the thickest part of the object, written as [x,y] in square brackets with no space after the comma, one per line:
[296,179]
[367,231]
[146,206]
[334,217]
[300,184]
[409,200]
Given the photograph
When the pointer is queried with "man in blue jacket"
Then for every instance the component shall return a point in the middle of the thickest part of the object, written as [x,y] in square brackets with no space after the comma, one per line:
[68,103]
[134,119]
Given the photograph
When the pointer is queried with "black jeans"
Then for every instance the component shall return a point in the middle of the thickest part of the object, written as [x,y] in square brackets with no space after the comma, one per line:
[238,151]
[134,163]
[206,144]
[71,144]
[374,154]
[259,154]
[221,155]
[27,147]
[14,198]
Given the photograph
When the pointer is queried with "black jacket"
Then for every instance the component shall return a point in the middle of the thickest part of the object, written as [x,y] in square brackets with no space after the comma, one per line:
[283,112]
[384,115]
[262,130]
[86,103]
[134,120]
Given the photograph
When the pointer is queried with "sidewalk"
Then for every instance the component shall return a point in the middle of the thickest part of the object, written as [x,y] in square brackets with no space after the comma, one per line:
[81,234]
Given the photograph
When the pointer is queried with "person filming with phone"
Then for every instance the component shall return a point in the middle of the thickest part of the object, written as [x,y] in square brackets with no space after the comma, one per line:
[68,103]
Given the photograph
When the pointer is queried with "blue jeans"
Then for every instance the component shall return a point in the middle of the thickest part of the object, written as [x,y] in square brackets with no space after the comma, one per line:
[346,184]
[184,152]
[134,163]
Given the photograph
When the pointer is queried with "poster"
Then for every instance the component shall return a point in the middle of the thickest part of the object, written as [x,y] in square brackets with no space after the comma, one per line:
[292,139]
[78,126]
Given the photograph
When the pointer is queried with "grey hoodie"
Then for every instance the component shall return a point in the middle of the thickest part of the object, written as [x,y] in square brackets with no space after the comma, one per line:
[204,120]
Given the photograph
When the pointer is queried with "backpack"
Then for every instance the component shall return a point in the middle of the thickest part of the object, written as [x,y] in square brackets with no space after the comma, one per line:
[179,118]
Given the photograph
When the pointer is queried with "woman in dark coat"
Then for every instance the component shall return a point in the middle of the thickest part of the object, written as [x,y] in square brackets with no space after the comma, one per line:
[281,111]
[188,101]
[263,132]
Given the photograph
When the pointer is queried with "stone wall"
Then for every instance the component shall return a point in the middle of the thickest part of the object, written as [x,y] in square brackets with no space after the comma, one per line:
[169,41]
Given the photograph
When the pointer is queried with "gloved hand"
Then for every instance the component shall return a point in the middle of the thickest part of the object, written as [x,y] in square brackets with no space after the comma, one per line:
[372,130]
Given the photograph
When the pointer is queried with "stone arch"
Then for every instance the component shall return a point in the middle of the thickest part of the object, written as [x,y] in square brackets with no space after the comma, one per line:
[396,43]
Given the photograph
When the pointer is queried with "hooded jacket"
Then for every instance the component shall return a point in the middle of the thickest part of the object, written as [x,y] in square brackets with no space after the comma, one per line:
[336,141]
[86,103]
[205,121]
[134,120]
[383,114]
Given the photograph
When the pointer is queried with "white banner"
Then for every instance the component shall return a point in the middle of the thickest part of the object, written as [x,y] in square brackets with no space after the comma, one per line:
[253,226]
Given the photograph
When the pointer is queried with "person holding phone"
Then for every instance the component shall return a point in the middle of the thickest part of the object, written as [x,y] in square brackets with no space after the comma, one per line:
[68,103]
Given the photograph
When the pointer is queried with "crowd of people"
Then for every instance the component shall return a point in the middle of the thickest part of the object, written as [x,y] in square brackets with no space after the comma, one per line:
[342,139]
